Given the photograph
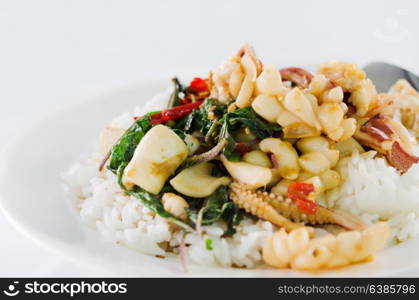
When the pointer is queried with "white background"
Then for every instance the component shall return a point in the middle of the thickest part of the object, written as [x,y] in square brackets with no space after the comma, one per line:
[52,52]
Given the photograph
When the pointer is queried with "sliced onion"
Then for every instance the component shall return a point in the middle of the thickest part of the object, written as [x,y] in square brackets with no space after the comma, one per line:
[182,254]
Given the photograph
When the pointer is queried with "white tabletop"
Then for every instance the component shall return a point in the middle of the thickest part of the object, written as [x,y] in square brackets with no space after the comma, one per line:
[54,51]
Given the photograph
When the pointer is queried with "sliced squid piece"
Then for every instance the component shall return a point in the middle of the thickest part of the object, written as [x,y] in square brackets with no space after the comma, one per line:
[382,135]
[248,85]
[299,76]
[269,82]
[302,250]
[268,107]
[156,157]
[297,103]
[285,157]
[197,181]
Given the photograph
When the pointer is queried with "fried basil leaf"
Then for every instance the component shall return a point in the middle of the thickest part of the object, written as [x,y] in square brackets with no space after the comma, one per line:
[217,207]
[123,150]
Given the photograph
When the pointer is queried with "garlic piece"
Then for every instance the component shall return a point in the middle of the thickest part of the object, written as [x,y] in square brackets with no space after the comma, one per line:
[285,156]
[286,118]
[330,179]
[197,181]
[267,107]
[281,188]
[319,144]
[258,158]
[269,81]
[314,162]
[331,116]
[253,176]
[175,205]
[297,103]
[347,147]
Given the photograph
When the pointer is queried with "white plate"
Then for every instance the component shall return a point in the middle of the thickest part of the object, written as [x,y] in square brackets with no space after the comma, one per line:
[33,198]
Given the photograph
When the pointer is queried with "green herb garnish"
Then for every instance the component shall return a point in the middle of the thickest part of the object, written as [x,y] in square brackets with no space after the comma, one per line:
[124,149]
[217,207]
[243,118]
[208,244]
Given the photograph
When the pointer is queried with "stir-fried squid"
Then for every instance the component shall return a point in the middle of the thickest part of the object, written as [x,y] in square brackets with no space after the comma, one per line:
[280,211]
[266,141]
[300,249]
[381,134]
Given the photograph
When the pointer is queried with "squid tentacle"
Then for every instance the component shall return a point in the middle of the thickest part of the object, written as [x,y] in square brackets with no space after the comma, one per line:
[284,212]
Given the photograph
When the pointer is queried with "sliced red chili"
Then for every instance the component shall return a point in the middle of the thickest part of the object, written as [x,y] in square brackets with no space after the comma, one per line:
[185,100]
[179,111]
[307,206]
[156,118]
[302,189]
[173,113]
[198,85]
[298,192]
[242,148]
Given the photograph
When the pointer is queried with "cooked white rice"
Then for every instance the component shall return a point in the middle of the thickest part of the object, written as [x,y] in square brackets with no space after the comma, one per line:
[124,220]
[371,189]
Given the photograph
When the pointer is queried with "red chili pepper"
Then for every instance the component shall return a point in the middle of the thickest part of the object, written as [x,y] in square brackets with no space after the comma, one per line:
[307,206]
[298,192]
[300,189]
[179,111]
[156,118]
[185,100]
[198,85]
[242,148]
[173,113]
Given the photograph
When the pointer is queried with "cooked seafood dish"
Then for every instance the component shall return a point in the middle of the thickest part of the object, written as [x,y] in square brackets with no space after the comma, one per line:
[256,165]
